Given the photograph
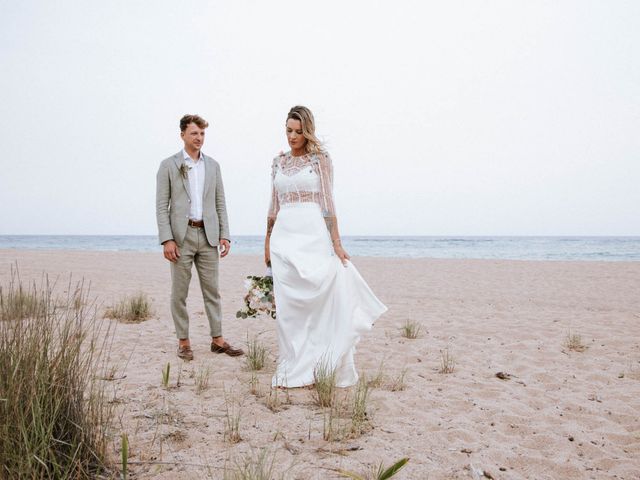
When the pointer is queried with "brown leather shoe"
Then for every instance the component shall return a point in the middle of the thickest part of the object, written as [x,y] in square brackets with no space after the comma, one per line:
[185,353]
[226,348]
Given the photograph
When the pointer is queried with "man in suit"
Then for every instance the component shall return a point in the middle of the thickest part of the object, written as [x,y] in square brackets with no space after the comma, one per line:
[193,226]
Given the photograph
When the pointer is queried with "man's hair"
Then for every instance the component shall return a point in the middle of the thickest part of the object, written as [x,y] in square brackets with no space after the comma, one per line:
[197,119]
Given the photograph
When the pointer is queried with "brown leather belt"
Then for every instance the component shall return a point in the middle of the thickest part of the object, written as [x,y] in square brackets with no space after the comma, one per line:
[196,223]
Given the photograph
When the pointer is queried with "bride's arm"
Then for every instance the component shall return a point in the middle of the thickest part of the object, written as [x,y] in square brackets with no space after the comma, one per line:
[325,169]
[274,207]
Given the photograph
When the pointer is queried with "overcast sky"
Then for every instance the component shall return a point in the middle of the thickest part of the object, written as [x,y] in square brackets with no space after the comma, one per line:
[442,118]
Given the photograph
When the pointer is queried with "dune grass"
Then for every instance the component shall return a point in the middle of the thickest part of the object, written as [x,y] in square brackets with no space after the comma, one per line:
[573,341]
[54,411]
[411,329]
[324,383]
[256,355]
[133,309]
[447,362]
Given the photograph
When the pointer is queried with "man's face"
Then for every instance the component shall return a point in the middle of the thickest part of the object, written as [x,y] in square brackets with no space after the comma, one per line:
[193,137]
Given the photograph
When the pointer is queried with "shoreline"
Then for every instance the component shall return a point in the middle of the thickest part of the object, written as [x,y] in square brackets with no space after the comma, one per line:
[55,251]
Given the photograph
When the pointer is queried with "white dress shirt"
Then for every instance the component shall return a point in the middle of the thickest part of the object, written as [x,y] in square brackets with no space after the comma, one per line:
[196,184]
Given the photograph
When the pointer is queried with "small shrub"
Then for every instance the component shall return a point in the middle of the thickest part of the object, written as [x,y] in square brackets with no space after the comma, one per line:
[133,309]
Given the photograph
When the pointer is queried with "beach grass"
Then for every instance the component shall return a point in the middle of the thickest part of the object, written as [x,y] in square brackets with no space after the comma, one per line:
[573,342]
[256,355]
[411,329]
[254,465]
[132,309]
[324,385]
[232,418]
[202,377]
[447,362]
[53,403]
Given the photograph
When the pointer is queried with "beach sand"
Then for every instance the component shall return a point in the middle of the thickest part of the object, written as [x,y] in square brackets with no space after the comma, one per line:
[561,415]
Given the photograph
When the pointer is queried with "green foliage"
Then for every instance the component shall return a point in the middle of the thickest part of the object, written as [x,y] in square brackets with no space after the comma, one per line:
[165,375]
[124,440]
[54,410]
[381,473]
[324,383]
[256,355]
[134,309]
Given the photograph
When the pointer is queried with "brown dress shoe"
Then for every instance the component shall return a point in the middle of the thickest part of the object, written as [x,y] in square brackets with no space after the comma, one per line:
[228,349]
[185,353]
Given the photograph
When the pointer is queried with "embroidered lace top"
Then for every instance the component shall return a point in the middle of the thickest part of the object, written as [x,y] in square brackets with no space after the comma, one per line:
[307,178]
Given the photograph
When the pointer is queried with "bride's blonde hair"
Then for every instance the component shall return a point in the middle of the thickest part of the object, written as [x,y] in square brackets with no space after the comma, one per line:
[305,117]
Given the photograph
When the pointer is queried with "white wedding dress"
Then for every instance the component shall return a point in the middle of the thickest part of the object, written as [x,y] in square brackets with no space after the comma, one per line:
[322,306]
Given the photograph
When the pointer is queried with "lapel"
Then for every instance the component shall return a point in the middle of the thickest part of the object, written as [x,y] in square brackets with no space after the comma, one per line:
[209,172]
[178,159]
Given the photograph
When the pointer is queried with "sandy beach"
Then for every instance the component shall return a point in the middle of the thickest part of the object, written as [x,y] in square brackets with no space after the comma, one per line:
[558,414]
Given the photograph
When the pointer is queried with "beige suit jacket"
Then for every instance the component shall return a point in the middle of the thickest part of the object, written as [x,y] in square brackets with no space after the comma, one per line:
[173,201]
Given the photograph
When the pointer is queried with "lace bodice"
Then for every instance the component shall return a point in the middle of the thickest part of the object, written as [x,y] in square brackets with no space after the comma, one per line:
[308,178]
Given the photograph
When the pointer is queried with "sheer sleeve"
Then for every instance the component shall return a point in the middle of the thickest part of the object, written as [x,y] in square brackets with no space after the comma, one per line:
[274,205]
[325,171]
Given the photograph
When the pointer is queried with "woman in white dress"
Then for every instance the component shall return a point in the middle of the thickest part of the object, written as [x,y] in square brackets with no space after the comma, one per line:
[322,303]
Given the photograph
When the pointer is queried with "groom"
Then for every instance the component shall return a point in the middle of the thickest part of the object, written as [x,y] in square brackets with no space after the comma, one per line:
[193,226]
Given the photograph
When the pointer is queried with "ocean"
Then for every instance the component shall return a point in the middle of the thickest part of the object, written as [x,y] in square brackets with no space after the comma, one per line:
[510,248]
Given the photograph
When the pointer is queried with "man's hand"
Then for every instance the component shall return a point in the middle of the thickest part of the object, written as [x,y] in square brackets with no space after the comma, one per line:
[225,246]
[171,251]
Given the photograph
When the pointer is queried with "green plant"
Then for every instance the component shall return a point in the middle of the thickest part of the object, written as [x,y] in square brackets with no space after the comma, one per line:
[573,341]
[124,441]
[447,362]
[381,473]
[411,329]
[165,375]
[256,355]
[380,376]
[202,379]
[324,383]
[398,383]
[255,465]
[54,408]
[134,309]
[232,420]
[359,416]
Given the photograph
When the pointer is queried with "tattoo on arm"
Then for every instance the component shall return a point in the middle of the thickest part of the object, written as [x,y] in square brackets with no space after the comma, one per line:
[270,223]
[332,226]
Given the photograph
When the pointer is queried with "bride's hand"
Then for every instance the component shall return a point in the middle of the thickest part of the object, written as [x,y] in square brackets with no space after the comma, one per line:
[342,254]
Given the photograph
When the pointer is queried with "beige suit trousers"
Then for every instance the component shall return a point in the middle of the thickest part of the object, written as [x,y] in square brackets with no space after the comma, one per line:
[196,249]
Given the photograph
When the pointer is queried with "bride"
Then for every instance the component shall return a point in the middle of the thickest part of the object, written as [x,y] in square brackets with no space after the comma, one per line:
[323,304]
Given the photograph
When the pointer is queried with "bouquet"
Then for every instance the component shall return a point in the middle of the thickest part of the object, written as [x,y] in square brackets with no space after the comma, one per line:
[259,297]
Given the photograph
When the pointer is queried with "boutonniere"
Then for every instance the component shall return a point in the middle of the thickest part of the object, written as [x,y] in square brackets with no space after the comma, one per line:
[184,170]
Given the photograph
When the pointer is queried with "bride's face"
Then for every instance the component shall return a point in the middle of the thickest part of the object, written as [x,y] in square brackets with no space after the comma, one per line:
[294,135]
